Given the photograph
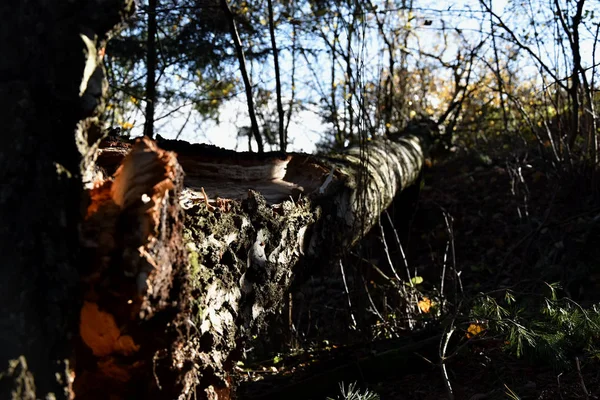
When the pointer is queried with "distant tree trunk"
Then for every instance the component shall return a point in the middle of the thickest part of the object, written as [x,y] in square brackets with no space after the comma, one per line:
[390,43]
[151,59]
[248,86]
[293,81]
[280,114]
[52,82]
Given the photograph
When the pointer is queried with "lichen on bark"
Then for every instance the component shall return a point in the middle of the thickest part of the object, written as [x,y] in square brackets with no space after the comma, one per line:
[241,262]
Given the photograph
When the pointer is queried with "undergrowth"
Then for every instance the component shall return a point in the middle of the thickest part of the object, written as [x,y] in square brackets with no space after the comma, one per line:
[549,329]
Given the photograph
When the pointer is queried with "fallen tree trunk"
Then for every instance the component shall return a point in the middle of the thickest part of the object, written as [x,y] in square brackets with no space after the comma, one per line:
[253,224]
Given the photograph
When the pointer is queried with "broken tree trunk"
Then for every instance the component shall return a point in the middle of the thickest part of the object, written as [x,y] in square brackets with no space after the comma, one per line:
[253,224]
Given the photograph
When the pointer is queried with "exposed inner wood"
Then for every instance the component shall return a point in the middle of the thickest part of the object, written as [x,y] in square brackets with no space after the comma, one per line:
[227,174]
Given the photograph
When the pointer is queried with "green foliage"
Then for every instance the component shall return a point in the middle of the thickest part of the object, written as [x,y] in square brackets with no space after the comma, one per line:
[367,68]
[551,329]
[196,62]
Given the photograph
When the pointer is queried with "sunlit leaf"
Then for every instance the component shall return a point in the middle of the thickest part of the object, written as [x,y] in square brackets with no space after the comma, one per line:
[425,305]
[126,125]
[475,330]
[417,280]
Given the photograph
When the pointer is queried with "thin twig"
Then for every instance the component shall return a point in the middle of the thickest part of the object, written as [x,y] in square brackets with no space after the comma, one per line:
[399,244]
[354,325]
[184,124]
[558,383]
[375,310]
[581,381]
[387,253]
[443,349]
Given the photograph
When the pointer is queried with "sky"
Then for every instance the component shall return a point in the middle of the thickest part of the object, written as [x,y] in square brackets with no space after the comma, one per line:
[305,129]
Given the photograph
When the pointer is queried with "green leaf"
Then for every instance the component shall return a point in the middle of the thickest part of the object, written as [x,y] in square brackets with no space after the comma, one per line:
[417,280]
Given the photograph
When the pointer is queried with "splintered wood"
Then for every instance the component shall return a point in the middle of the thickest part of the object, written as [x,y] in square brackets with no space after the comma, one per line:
[132,237]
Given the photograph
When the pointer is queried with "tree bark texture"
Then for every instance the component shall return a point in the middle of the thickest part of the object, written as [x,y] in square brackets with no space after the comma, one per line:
[52,82]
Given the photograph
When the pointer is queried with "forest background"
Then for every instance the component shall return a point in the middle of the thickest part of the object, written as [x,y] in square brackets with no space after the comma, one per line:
[346,69]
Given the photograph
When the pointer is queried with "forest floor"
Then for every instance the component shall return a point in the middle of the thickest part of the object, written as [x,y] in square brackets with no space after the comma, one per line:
[512,223]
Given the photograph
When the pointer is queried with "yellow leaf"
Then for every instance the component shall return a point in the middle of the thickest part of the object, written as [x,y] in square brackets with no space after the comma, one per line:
[425,305]
[126,125]
[475,330]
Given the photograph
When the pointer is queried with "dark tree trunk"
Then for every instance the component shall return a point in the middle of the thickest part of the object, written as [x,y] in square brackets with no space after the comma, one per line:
[280,114]
[52,82]
[151,69]
[245,77]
